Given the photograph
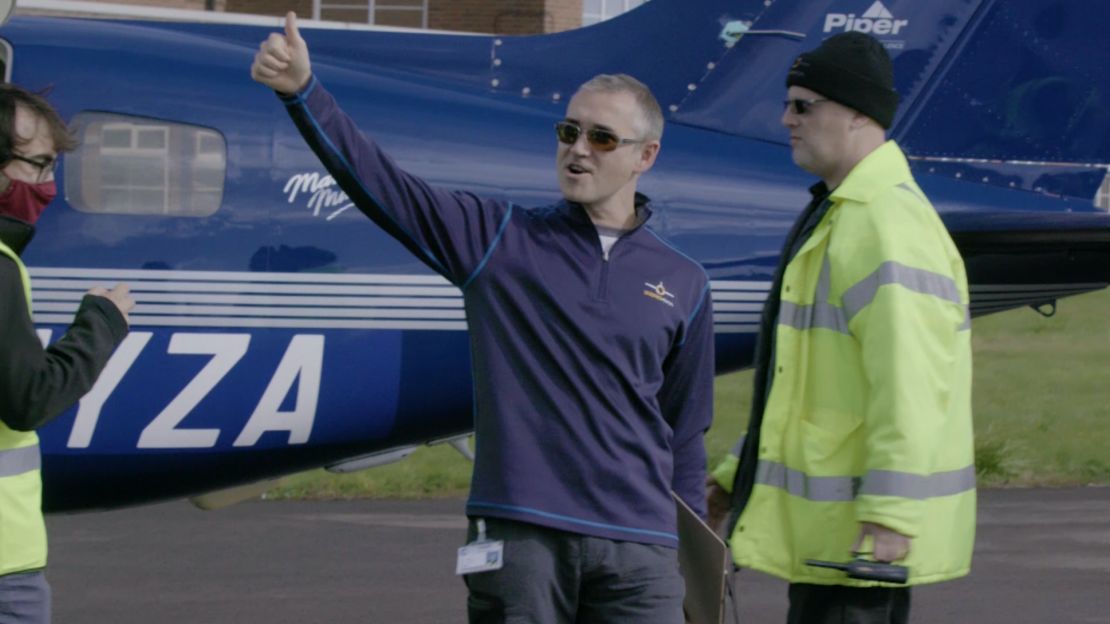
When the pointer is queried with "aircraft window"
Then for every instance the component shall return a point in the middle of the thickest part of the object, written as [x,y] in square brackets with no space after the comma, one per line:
[133,165]
[152,139]
[116,138]
[1102,197]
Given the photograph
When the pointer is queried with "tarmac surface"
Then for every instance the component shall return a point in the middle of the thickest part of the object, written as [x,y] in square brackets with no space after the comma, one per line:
[1041,555]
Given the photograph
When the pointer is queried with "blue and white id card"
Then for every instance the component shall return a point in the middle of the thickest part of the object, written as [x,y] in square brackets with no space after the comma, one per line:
[481,555]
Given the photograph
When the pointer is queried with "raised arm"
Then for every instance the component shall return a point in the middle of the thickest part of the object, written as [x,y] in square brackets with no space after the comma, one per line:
[450,231]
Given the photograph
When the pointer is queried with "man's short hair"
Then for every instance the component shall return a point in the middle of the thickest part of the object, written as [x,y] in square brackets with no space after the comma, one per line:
[12,96]
[623,83]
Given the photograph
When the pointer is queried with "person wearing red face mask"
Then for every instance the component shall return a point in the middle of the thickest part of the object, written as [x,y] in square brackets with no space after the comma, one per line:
[36,383]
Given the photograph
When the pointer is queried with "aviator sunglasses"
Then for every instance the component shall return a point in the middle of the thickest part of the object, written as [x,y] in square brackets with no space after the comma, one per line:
[601,140]
[800,106]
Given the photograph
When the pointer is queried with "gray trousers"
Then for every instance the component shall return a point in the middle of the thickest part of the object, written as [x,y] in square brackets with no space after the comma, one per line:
[554,577]
[24,598]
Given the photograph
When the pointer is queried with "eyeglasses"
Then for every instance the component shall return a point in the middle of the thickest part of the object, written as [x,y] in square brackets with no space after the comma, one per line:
[801,107]
[601,140]
[45,166]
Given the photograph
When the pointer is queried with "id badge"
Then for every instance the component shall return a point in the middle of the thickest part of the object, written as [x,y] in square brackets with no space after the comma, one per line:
[481,555]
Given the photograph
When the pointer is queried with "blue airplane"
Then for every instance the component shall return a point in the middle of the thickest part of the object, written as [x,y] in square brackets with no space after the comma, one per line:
[278,329]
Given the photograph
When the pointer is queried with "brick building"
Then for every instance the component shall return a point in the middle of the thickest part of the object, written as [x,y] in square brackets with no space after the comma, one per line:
[509,17]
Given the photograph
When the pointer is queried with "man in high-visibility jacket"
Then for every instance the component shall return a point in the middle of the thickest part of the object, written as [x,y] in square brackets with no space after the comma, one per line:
[860,438]
[36,384]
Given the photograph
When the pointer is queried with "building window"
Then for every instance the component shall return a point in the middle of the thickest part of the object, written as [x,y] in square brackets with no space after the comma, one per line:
[404,13]
[594,11]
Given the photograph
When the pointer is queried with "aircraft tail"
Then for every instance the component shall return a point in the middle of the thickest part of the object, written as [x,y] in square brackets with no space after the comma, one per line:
[1013,93]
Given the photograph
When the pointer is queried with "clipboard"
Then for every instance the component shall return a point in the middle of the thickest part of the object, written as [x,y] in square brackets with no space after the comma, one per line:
[703,559]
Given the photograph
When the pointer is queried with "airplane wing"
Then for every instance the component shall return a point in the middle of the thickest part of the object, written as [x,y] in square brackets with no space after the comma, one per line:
[1030,259]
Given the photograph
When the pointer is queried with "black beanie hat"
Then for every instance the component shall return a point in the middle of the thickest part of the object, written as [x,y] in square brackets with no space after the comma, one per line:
[851,68]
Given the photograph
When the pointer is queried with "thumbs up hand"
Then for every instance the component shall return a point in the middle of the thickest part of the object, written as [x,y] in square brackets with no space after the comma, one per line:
[282,60]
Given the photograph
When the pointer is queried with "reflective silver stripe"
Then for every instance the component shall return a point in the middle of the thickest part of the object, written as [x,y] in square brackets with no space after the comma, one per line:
[918,280]
[18,461]
[823,315]
[876,482]
[798,483]
[967,320]
[739,446]
[919,487]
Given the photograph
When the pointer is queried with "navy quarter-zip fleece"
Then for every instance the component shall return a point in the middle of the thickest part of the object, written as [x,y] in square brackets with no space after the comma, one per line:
[593,376]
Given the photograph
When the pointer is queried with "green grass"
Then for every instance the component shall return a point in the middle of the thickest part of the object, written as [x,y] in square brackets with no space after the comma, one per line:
[1041,400]
[1042,394]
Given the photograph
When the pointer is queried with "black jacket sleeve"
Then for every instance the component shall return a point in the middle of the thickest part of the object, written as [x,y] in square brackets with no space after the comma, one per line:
[37,384]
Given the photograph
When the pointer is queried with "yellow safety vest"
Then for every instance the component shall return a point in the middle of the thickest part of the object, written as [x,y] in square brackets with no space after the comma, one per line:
[869,415]
[22,530]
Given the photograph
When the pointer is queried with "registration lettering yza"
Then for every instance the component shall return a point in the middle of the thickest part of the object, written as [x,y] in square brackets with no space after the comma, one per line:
[299,369]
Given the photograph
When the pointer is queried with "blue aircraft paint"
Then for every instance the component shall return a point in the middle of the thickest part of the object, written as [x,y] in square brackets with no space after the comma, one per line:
[285,260]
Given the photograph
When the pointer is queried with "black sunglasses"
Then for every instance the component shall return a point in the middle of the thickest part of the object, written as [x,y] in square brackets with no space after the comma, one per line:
[45,166]
[601,140]
[801,107]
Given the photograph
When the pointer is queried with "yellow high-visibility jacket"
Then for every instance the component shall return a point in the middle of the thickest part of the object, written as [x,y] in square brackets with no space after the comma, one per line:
[869,414]
[22,531]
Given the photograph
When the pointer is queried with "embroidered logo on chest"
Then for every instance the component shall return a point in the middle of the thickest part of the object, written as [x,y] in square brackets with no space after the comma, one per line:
[659,293]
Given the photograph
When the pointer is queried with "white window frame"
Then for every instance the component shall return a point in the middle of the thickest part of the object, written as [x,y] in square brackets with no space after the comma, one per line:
[372,7]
